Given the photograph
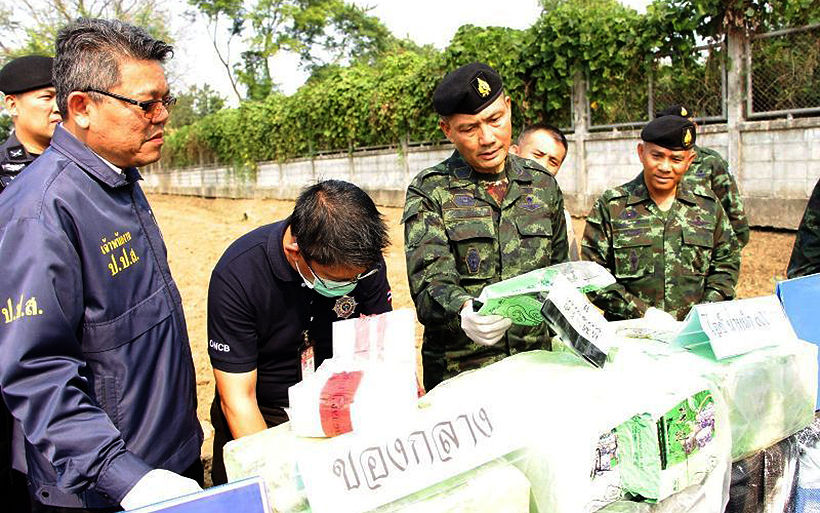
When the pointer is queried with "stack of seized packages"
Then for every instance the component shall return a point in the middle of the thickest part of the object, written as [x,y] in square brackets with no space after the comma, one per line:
[654,429]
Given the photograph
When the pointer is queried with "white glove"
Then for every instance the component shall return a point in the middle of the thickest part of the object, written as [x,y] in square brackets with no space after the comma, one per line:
[156,486]
[659,317]
[484,330]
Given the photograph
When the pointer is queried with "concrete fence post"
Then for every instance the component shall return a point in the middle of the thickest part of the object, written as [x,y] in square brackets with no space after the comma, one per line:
[736,45]
[581,122]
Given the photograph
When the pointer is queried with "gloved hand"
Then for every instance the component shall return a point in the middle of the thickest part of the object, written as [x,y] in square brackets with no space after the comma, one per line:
[156,486]
[484,330]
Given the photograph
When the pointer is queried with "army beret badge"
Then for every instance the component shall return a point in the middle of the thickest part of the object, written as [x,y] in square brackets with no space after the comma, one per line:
[687,137]
[481,86]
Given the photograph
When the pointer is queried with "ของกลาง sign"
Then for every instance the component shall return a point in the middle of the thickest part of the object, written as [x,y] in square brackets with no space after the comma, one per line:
[360,471]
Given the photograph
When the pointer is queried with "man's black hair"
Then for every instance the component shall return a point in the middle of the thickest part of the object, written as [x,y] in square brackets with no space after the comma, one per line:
[554,131]
[336,223]
[89,52]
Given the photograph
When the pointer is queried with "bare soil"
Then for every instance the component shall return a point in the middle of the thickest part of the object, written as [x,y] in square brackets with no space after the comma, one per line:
[198,230]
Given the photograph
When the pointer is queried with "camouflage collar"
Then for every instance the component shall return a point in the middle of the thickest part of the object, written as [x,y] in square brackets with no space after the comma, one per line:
[464,175]
[639,193]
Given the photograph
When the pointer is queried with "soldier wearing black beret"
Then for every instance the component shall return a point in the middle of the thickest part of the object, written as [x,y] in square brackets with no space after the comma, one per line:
[481,216]
[711,170]
[669,244]
[30,99]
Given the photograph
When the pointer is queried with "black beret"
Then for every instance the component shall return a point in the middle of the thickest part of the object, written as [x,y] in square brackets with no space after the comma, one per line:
[671,132]
[26,73]
[675,110]
[467,90]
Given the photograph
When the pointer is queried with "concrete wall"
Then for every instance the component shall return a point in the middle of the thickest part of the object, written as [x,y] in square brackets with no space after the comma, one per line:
[779,165]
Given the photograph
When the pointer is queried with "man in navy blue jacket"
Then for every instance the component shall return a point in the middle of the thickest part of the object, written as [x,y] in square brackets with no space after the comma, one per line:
[95,363]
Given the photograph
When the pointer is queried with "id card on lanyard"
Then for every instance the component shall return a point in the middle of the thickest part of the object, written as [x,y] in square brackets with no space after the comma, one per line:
[307,355]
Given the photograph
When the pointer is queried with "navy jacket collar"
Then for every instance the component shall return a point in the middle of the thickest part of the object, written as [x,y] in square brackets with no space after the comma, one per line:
[72,148]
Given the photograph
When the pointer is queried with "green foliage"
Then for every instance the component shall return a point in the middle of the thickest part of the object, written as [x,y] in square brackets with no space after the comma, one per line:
[384,96]
[31,27]
[5,126]
[194,104]
[311,28]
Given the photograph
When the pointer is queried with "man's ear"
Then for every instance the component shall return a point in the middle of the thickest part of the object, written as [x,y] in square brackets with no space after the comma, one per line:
[80,108]
[445,127]
[291,248]
[514,149]
[11,104]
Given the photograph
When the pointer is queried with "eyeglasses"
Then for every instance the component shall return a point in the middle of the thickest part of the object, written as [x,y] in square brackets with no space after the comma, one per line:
[151,108]
[339,285]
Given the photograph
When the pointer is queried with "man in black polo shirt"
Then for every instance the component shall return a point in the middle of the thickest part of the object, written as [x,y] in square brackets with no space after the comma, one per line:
[273,296]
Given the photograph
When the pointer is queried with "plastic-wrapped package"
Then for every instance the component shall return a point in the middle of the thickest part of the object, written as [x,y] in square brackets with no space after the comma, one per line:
[496,486]
[341,397]
[372,375]
[770,392]
[271,454]
[520,298]
[575,465]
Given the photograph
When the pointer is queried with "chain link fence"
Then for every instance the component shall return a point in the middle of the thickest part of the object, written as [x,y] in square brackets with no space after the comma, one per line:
[783,73]
[697,80]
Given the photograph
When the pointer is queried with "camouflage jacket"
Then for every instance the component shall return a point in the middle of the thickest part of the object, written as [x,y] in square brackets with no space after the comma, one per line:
[689,258]
[711,170]
[805,258]
[457,239]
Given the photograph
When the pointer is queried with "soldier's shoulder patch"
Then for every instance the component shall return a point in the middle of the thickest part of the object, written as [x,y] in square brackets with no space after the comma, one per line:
[473,260]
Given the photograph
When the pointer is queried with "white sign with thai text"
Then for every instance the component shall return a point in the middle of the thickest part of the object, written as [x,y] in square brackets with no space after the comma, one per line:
[357,472]
[737,327]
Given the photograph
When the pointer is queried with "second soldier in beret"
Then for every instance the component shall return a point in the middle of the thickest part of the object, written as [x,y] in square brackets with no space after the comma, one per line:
[668,243]
[481,216]
[31,100]
[710,169]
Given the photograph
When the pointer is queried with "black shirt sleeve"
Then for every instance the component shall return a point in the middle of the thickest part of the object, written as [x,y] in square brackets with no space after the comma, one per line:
[232,337]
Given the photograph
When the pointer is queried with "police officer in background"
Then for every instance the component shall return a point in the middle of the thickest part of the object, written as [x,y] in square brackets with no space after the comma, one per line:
[668,243]
[31,100]
[481,216]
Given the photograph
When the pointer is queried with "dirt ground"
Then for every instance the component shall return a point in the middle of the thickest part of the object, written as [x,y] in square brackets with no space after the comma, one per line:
[198,230]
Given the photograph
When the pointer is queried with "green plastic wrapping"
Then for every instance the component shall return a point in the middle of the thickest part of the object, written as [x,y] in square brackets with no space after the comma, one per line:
[520,298]
[770,392]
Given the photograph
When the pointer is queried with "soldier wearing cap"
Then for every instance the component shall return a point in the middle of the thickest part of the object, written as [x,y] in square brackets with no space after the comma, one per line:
[481,216]
[711,170]
[30,98]
[668,242]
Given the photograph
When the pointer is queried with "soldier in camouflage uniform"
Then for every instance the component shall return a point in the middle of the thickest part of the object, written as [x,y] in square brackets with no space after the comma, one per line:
[479,217]
[668,243]
[805,258]
[711,170]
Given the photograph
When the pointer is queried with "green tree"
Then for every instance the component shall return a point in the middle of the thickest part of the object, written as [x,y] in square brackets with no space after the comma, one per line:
[194,104]
[31,27]
[322,32]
